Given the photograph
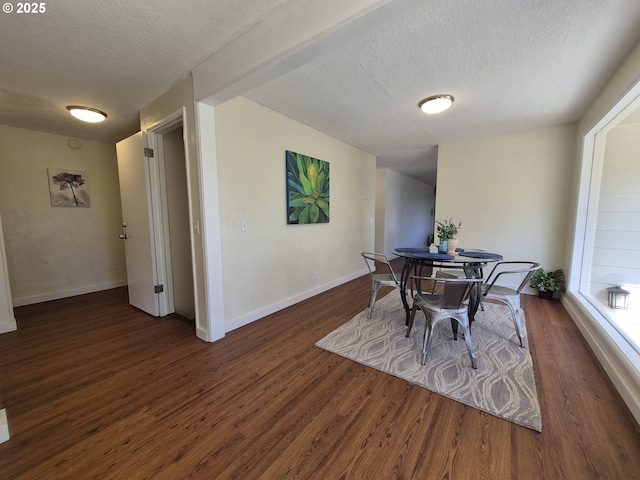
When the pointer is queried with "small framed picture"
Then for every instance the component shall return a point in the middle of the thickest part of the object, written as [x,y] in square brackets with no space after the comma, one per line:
[68,188]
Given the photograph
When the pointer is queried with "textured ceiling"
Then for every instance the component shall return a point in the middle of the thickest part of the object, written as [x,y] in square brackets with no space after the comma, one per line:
[510,64]
[116,56]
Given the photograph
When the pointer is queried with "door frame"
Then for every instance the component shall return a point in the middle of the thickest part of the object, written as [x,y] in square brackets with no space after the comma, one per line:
[158,180]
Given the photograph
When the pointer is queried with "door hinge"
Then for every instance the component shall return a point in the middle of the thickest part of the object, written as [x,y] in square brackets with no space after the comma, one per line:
[148,152]
[158,288]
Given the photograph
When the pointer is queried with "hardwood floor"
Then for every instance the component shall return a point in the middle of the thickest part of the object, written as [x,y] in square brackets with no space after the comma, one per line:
[94,388]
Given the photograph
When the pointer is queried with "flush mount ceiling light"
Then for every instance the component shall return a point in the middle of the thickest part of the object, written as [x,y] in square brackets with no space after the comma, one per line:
[436,104]
[87,114]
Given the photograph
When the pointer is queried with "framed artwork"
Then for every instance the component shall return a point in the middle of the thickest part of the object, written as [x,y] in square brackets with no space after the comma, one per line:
[68,188]
[307,189]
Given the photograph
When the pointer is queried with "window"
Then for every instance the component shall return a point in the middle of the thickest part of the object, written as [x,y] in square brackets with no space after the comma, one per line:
[607,245]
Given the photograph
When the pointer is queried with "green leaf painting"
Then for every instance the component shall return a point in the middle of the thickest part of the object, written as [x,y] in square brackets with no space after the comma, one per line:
[307,189]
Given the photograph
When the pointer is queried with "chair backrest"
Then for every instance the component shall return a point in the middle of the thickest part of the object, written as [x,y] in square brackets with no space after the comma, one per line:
[371,258]
[453,292]
[456,291]
[524,269]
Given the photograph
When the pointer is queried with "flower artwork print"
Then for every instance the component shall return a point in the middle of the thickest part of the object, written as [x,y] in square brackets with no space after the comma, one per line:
[307,189]
[68,188]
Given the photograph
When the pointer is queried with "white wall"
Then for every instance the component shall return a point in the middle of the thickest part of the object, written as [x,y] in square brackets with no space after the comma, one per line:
[511,192]
[7,320]
[405,217]
[381,210]
[272,264]
[55,252]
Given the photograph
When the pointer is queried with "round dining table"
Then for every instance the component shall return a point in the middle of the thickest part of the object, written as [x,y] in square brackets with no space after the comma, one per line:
[419,262]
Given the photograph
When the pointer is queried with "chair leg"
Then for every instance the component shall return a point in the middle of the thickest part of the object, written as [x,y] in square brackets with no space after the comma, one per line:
[467,338]
[372,299]
[411,318]
[428,331]
[516,320]
[514,306]
[454,328]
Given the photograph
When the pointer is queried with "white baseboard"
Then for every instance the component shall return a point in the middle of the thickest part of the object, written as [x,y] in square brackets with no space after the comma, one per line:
[623,371]
[10,326]
[202,334]
[258,314]
[4,426]
[45,297]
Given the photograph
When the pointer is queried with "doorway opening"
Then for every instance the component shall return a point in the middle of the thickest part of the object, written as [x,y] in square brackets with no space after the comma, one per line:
[175,229]
[156,219]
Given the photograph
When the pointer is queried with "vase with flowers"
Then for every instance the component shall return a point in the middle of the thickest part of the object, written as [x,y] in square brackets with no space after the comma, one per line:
[447,231]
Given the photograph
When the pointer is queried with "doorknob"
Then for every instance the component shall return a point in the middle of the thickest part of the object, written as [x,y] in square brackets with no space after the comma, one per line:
[123,236]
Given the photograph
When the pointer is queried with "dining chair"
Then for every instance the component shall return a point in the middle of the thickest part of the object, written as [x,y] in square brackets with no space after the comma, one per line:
[379,280]
[521,271]
[448,302]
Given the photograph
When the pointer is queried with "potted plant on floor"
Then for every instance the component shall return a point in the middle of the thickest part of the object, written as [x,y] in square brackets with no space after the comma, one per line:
[547,283]
[447,231]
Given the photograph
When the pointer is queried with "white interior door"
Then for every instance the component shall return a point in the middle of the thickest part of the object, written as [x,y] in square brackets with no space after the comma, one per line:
[133,171]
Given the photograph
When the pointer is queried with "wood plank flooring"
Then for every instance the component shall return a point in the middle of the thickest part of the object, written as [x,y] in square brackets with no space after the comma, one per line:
[94,388]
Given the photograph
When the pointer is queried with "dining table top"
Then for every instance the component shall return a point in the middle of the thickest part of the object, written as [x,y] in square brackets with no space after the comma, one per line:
[468,257]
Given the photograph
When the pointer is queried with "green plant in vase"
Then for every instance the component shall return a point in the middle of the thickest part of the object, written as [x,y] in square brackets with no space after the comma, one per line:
[447,230]
[547,282]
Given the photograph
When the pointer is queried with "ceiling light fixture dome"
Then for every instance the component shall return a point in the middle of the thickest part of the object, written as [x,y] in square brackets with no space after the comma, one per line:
[436,104]
[87,114]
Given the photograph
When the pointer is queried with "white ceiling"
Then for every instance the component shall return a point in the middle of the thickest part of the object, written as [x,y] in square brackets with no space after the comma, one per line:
[510,64]
[115,55]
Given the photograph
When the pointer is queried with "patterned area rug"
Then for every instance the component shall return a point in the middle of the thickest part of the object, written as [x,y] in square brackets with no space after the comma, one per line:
[503,384]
